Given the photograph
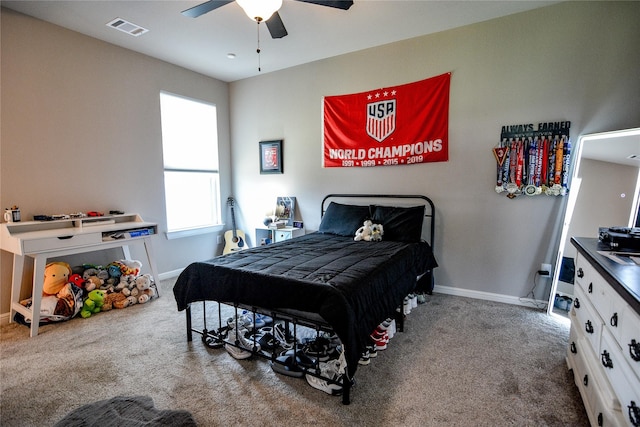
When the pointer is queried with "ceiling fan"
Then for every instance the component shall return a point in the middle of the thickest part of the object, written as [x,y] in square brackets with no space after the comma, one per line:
[262,10]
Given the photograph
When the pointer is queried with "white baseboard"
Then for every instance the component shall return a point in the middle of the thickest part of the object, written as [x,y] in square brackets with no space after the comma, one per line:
[507,299]
[170,274]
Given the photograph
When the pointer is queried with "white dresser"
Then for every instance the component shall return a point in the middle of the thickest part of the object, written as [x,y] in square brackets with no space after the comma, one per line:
[42,240]
[604,343]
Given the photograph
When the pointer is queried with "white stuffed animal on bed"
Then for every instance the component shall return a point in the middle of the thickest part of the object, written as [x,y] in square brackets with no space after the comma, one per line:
[369,232]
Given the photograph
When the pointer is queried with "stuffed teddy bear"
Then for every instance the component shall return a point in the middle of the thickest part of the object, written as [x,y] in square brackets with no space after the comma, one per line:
[145,291]
[93,303]
[93,282]
[364,232]
[114,300]
[56,275]
[126,284]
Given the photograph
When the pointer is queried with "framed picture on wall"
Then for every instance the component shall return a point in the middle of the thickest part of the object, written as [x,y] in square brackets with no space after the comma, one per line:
[271,156]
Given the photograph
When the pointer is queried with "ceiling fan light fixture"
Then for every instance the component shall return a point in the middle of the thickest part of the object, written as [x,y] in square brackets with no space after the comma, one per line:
[260,10]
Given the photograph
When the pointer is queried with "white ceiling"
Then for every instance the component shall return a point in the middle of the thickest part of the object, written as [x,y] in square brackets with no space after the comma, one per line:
[614,147]
[315,32]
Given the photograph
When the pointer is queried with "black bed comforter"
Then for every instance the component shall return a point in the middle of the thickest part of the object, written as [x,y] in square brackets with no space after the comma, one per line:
[352,285]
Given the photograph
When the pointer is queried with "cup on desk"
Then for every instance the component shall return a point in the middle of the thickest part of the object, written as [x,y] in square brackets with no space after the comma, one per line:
[12,215]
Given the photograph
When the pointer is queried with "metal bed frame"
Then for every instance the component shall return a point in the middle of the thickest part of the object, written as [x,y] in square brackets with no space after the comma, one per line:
[216,337]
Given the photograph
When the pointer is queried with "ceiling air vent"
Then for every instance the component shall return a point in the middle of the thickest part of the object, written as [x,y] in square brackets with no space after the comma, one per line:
[127,27]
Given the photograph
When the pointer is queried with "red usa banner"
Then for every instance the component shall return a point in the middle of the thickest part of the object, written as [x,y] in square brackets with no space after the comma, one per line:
[398,125]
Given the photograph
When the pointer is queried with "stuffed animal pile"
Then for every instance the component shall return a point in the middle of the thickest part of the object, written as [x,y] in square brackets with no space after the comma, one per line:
[90,289]
[121,284]
[369,232]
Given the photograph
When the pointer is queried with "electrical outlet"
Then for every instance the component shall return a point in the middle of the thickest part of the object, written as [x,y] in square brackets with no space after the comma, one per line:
[545,269]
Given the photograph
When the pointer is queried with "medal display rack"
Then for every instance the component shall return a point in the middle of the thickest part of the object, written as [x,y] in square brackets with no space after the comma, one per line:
[533,162]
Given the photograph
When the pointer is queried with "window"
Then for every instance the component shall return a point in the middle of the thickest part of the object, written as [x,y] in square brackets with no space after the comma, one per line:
[191,176]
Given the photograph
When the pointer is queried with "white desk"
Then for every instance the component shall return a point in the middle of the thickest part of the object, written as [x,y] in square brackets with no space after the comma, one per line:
[42,240]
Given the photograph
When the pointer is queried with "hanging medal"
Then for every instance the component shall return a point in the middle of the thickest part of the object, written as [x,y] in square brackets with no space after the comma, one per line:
[566,166]
[500,153]
[530,189]
[512,188]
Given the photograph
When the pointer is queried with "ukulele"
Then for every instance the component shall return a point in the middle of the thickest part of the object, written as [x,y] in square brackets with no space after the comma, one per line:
[234,240]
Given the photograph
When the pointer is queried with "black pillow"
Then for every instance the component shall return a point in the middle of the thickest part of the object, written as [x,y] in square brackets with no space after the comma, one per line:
[343,220]
[400,224]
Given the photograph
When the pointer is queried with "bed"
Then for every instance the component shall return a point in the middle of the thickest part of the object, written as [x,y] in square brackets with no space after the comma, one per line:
[324,280]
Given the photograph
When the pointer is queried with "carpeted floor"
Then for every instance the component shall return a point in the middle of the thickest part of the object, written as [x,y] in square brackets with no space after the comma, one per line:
[461,362]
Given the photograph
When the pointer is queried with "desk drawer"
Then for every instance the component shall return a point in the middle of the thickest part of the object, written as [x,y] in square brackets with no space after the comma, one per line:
[61,242]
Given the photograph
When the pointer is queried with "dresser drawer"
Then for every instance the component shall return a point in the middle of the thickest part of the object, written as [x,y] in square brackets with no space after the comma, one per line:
[281,235]
[622,379]
[61,242]
[629,338]
[594,286]
[599,400]
[587,320]
[585,273]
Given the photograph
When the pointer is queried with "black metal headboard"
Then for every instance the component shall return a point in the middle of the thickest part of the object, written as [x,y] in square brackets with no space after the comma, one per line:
[430,212]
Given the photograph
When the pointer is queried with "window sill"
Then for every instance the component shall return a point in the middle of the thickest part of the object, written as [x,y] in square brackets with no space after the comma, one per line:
[177,234]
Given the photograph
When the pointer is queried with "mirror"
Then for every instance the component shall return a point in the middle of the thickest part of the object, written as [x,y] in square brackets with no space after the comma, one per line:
[604,192]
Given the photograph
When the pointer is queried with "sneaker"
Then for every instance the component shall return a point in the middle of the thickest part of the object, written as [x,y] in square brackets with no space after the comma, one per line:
[237,353]
[302,358]
[380,340]
[260,320]
[240,347]
[318,348]
[331,383]
[281,335]
[365,359]
[286,365]
[414,300]
[406,306]
[242,321]
[371,349]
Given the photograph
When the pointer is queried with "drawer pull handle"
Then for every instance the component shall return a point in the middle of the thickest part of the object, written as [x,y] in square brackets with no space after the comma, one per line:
[591,287]
[614,320]
[576,303]
[606,360]
[574,349]
[585,381]
[588,327]
[580,273]
[634,414]
[634,350]
[64,237]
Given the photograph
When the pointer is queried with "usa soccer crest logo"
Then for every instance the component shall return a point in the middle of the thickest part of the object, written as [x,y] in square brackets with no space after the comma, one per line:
[381,119]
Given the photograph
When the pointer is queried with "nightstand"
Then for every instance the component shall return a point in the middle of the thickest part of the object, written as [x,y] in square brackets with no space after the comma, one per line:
[266,235]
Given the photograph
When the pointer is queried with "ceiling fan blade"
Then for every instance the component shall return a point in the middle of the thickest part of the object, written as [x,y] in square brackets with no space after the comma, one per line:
[205,7]
[338,4]
[276,27]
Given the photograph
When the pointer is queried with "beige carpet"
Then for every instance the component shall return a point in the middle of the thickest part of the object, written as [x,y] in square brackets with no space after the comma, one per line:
[461,362]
